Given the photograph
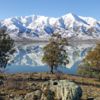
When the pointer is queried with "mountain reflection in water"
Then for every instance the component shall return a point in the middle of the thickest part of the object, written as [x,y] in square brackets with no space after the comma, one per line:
[27,58]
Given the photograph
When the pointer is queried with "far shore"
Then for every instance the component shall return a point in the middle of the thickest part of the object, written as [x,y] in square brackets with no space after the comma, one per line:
[71,41]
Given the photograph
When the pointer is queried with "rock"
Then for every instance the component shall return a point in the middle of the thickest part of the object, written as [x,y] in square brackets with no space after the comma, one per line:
[11,96]
[65,90]
[32,86]
[1,82]
[18,98]
[35,95]
[56,90]
[1,98]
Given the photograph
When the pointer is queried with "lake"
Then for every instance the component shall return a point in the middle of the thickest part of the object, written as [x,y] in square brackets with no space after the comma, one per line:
[27,58]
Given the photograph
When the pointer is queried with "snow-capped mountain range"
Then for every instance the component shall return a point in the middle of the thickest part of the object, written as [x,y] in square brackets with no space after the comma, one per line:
[69,25]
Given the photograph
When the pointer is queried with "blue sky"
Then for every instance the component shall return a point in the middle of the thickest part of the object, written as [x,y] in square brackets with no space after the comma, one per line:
[54,8]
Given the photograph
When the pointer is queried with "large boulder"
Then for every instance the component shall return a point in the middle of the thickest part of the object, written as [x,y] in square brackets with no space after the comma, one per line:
[55,90]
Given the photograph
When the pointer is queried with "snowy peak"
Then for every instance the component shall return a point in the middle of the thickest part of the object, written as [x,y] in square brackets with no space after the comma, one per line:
[91,21]
[71,16]
[74,18]
[69,25]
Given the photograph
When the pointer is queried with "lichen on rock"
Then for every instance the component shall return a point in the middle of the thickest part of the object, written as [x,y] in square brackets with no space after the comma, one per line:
[56,90]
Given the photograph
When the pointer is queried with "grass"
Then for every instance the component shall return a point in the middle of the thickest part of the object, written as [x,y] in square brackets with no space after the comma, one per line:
[18,84]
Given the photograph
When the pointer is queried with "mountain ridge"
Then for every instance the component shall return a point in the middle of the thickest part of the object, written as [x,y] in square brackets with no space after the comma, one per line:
[69,25]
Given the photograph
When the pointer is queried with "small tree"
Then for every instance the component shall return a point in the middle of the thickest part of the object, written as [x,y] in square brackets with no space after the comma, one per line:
[6,47]
[54,52]
[91,63]
[93,58]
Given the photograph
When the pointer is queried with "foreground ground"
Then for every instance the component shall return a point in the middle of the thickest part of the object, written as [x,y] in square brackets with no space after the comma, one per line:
[18,84]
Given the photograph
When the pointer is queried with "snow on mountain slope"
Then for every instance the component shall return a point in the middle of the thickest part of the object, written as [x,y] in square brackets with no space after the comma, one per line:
[69,25]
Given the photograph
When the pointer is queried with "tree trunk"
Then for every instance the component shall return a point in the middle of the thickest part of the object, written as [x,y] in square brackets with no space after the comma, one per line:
[51,70]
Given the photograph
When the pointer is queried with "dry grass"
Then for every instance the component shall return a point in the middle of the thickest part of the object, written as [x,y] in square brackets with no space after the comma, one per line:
[17,84]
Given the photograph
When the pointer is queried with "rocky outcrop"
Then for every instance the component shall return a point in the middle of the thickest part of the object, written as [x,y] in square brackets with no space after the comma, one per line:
[55,90]
[50,90]
[65,90]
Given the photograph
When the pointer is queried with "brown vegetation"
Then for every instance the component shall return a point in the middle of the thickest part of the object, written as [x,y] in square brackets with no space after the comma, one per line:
[19,84]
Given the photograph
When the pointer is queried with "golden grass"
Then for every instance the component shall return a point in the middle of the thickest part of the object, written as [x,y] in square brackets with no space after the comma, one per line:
[18,83]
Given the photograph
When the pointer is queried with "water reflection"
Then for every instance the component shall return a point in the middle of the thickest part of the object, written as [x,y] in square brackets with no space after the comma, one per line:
[28,58]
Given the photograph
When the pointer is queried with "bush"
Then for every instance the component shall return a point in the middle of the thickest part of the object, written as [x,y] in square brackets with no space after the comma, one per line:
[88,72]
[90,65]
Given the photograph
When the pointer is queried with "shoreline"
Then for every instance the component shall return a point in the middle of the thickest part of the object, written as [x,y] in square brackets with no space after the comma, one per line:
[70,41]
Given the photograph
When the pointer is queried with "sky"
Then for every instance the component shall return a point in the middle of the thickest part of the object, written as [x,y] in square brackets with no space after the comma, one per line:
[50,8]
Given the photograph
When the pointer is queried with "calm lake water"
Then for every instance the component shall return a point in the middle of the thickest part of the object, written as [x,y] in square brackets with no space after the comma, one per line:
[27,58]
